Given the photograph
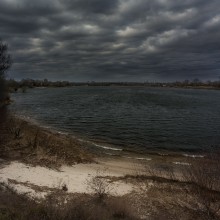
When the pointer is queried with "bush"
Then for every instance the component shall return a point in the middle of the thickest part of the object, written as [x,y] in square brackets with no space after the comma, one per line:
[99,185]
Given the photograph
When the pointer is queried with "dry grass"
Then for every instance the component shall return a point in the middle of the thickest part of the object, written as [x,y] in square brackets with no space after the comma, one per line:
[79,207]
[204,175]
[35,145]
[193,189]
[178,192]
[99,186]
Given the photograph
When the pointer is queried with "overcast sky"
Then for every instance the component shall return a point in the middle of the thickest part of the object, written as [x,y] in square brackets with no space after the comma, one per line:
[112,40]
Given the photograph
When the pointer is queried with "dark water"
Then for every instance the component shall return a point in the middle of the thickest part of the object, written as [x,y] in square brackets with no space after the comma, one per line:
[133,118]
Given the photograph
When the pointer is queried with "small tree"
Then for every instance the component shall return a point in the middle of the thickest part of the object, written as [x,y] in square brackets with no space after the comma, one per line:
[5,63]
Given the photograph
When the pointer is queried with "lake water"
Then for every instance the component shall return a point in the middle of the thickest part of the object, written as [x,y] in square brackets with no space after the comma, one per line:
[135,118]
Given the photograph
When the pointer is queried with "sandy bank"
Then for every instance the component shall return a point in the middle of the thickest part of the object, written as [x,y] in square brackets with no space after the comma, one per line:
[38,182]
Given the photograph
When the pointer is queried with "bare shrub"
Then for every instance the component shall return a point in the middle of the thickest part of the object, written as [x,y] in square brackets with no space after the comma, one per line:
[99,185]
[15,127]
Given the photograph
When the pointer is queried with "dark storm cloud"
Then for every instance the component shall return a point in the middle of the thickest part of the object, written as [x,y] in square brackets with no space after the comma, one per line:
[117,40]
[92,6]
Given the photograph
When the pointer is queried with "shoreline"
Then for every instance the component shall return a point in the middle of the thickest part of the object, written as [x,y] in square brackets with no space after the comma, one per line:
[86,152]
[70,151]
[101,148]
[173,136]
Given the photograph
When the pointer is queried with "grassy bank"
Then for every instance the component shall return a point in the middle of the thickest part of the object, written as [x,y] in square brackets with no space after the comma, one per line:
[27,142]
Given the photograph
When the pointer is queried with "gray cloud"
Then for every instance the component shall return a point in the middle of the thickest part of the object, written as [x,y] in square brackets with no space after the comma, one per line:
[117,40]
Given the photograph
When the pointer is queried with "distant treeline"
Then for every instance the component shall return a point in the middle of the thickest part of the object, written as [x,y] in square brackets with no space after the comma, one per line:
[14,86]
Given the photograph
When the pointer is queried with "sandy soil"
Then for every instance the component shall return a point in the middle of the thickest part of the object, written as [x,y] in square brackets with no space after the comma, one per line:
[38,182]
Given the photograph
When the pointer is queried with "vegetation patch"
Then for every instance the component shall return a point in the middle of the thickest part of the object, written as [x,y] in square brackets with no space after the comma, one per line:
[38,146]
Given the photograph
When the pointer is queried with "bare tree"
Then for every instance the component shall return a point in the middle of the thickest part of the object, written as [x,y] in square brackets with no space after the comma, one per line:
[5,63]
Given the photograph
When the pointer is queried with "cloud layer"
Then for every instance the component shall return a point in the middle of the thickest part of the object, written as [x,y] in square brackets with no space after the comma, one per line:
[117,40]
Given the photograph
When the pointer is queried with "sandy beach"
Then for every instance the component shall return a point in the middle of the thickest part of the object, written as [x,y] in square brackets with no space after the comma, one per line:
[38,181]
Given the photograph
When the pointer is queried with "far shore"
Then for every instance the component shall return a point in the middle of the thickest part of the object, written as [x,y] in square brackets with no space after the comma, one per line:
[14,85]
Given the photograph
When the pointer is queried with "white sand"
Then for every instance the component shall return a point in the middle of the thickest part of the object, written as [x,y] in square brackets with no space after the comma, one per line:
[29,179]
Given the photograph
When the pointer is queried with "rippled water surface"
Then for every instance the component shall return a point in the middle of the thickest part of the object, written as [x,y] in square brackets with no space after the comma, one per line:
[128,117]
